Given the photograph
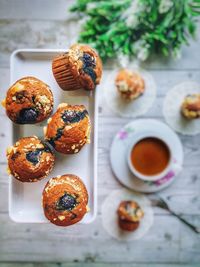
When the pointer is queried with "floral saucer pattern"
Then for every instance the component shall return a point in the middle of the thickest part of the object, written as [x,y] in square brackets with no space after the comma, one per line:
[118,155]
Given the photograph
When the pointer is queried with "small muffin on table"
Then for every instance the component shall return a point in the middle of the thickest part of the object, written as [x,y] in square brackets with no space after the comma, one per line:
[28,101]
[129,215]
[190,107]
[130,85]
[30,159]
[68,130]
[65,200]
[80,67]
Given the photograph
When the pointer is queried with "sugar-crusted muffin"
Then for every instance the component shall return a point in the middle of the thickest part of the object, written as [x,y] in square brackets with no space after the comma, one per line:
[68,130]
[130,85]
[65,200]
[28,100]
[80,67]
[129,215]
[190,107]
[30,159]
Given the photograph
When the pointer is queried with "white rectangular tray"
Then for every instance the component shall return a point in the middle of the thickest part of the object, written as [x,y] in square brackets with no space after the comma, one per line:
[25,198]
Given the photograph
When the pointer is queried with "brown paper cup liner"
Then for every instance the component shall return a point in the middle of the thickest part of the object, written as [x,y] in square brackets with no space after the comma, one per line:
[63,75]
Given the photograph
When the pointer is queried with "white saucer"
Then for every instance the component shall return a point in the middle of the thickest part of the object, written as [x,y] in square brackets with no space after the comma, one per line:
[110,220]
[121,144]
[172,105]
[136,107]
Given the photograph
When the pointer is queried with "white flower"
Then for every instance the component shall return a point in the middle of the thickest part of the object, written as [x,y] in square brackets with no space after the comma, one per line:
[143,54]
[138,45]
[132,21]
[131,15]
[123,60]
[177,54]
[82,21]
[165,6]
[141,49]
[91,6]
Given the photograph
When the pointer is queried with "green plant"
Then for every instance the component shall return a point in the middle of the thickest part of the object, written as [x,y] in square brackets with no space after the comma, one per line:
[137,27]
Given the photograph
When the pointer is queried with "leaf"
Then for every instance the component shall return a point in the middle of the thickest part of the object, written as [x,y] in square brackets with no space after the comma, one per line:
[107,30]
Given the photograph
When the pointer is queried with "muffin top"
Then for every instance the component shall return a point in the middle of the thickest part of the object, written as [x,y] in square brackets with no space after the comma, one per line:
[130,211]
[129,84]
[65,200]
[191,106]
[30,159]
[28,101]
[85,65]
[69,128]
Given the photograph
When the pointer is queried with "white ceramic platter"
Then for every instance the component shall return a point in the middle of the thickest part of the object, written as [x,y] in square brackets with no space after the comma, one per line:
[121,145]
[25,198]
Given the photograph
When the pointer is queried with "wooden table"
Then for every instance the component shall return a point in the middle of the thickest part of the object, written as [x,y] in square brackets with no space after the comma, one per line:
[48,24]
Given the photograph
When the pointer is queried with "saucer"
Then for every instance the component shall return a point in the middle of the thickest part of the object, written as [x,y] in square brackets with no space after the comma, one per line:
[136,107]
[110,218]
[172,105]
[121,144]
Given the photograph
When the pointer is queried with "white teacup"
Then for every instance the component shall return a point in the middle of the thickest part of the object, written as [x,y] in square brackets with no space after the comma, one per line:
[170,166]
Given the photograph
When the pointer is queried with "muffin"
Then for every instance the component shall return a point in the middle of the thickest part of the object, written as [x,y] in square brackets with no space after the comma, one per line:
[130,85]
[190,107]
[30,159]
[68,130]
[129,215]
[80,67]
[65,200]
[28,101]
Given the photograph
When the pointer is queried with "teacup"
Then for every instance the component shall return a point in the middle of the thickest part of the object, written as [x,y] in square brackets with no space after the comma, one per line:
[163,139]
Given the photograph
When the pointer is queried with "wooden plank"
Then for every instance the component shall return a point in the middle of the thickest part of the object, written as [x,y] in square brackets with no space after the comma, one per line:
[93,264]
[164,81]
[16,34]
[182,195]
[168,240]
[32,34]
[37,9]
[47,243]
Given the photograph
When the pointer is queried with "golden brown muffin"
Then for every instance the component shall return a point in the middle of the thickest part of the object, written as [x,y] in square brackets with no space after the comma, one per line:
[190,107]
[130,85]
[68,130]
[129,215]
[28,100]
[65,200]
[78,68]
[30,159]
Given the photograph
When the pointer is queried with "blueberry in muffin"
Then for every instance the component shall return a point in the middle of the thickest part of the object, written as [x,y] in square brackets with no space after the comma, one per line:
[30,159]
[65,200]
[28,101]
[68,130]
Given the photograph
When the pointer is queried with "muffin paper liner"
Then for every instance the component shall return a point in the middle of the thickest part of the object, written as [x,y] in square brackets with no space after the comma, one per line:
[172,108]
[133,108]
[64,76]
[110,217]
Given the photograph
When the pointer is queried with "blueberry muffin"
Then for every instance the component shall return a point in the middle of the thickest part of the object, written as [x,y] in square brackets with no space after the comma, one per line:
[130,85]
[129,215]
[80,67]
[190,107]
[65,200]
[30,159]
[68,130]
[28,101]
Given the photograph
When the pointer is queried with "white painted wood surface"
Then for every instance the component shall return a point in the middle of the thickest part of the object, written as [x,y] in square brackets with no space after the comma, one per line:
[46,23]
